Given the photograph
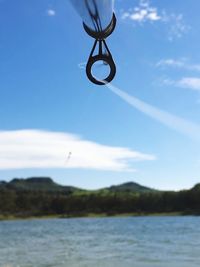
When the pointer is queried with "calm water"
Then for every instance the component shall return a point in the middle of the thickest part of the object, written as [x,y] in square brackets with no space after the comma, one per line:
[105,242]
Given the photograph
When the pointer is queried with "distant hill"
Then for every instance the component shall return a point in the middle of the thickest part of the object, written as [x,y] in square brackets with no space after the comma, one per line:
[41,196]
[196,188]
[130,187]
[45,184]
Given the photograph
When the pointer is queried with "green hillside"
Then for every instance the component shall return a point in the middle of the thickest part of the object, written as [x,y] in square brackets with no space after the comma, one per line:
[41,196]
[130,187]
[44,184]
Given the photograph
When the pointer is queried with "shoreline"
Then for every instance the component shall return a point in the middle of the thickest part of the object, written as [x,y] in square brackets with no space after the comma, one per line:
[92,215]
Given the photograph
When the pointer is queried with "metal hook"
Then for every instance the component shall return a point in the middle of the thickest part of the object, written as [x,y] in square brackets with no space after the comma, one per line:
[101,56]
[105,56]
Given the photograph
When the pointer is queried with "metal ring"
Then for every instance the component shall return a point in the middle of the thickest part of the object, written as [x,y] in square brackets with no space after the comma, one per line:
[108,60]
[105,33]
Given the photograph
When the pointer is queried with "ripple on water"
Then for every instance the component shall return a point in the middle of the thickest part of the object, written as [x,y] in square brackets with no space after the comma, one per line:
[107,242]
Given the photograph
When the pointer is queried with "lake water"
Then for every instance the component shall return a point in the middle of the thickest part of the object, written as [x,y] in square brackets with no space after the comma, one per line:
[105,242]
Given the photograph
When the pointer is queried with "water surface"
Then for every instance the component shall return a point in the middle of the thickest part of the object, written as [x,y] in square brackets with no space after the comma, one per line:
[106,242]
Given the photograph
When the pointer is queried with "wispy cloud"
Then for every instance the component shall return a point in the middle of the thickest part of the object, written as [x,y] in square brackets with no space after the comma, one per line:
[175,24]
[82,65]
[192,83]
[51,12]
[45,149]
[180,64]
[181,125]
[188,82]
[144,13]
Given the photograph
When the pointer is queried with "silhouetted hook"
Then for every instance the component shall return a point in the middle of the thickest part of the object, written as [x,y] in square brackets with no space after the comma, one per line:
[105,56]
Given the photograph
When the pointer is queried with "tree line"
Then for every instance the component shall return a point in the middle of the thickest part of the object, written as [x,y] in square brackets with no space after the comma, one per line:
[38,203]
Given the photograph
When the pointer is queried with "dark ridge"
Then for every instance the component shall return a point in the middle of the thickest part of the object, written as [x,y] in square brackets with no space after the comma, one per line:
[45,184]
[196,187]
[130,187]
[39,180]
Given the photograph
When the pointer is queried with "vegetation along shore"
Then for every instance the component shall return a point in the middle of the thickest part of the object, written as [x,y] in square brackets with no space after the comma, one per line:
[41,197]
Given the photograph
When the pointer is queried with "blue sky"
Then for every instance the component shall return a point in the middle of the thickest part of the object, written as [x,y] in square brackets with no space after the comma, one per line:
[48,108]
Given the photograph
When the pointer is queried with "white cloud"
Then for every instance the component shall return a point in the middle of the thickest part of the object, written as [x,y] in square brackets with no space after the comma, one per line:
[144,12]
[82,65]
[181,63]
[192,83]
[189,82]
[44,149]
[167,81]
[176,25]
[170,63]
[153,16]
[51,12]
